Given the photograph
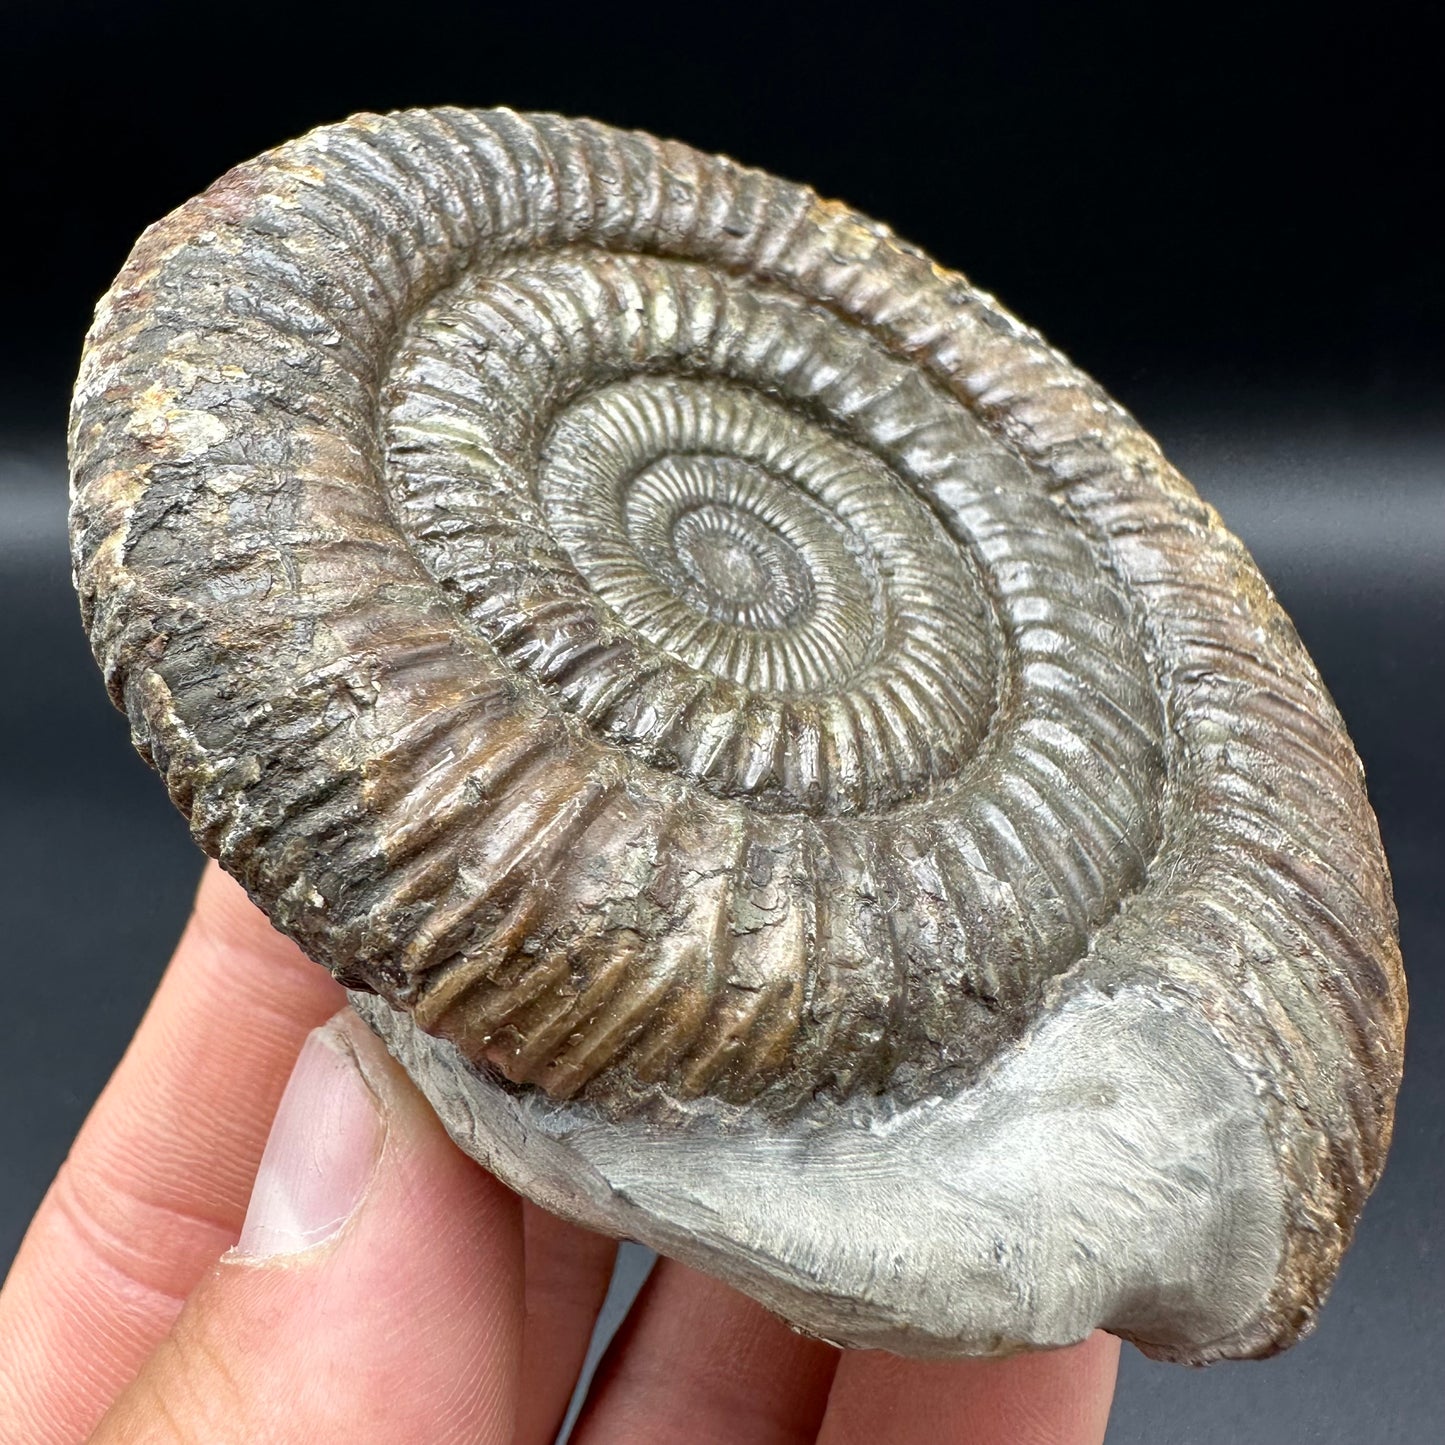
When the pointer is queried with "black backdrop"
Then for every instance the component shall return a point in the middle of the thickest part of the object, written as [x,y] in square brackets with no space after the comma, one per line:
[1228,218]
[1159,188]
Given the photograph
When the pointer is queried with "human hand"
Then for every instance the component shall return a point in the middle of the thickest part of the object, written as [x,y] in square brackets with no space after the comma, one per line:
[365,1282]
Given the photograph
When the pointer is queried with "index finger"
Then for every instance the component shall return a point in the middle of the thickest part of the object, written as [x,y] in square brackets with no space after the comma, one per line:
[156,1185]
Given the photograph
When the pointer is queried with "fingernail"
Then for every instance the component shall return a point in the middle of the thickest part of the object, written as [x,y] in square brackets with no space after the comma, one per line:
[320,1156]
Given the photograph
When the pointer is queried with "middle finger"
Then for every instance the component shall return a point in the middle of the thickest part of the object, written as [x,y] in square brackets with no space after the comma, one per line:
[567,1273]
[697,1361]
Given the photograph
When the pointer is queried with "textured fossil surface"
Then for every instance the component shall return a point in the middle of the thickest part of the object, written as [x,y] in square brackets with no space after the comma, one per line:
[782,758]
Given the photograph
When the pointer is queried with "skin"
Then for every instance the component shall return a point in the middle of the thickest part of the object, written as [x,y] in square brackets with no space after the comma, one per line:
[444,1308]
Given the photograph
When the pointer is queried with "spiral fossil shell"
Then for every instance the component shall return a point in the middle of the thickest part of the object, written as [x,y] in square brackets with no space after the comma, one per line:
[772,746]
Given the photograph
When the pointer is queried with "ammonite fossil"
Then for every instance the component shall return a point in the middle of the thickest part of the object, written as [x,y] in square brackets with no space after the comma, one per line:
[781,757]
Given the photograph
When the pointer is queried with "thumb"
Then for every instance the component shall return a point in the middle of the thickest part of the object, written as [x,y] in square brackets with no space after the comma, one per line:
[375,1292]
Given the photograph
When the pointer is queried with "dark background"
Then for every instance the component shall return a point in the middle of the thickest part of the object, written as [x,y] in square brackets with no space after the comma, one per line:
[1229,218]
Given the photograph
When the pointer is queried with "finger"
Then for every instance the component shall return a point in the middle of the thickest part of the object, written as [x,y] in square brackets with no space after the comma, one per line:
[568,1270]
[1045,1397]
[156,1184]
[375,1292]
[697,1361]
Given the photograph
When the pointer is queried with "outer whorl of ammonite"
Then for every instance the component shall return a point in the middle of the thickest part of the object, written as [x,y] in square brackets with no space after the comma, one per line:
[679,646]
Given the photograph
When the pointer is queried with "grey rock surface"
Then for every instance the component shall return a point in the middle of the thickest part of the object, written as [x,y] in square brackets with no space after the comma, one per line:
[1112,1171]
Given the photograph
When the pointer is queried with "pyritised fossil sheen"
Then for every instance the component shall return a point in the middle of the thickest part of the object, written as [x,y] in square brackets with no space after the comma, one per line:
[779,755]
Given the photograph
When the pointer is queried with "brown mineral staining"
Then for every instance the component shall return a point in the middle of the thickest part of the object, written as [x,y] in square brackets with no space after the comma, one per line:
[683,644]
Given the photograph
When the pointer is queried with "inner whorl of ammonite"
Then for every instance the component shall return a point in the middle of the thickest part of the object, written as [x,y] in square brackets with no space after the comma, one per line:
[685,538]
[899,715]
